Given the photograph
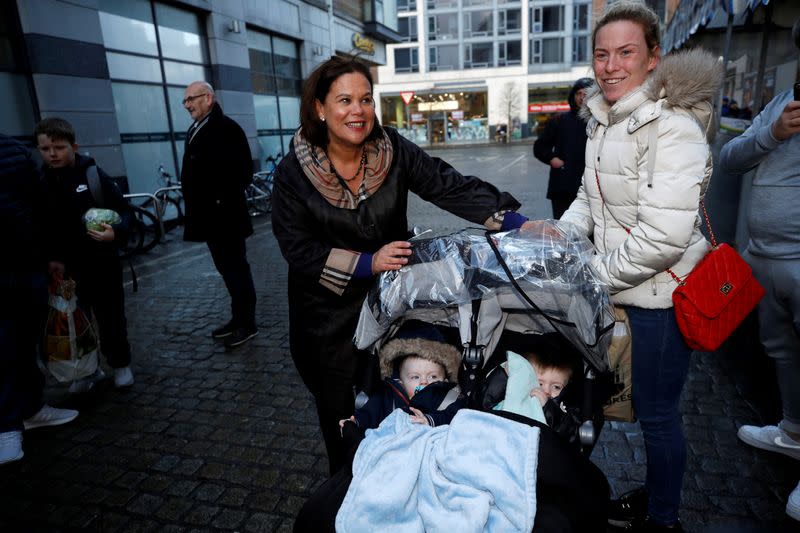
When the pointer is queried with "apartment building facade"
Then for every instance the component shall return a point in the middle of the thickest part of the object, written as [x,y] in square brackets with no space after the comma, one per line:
[464,67]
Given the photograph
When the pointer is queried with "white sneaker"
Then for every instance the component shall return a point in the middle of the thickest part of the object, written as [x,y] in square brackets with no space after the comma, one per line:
[86,384]
[10,446]
[123,377]
[50,416]
[770,438]
[793,505]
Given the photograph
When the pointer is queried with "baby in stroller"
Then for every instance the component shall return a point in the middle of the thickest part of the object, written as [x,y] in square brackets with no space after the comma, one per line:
[420,370]
[553,368]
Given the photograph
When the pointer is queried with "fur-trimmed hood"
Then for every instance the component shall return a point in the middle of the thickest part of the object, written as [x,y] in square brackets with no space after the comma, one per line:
[424,342]
[688,79]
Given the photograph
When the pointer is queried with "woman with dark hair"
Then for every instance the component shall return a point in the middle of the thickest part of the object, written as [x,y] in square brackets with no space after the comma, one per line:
[339,215]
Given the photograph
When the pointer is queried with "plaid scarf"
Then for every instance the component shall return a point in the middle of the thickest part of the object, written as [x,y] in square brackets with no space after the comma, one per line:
[317,168]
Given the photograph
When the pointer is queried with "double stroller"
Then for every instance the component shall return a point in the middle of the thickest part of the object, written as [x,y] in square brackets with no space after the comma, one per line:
[490,293]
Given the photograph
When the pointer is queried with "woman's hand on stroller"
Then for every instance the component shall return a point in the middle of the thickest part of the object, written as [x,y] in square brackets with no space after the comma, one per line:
[392,256]
[541,228]
[418,417]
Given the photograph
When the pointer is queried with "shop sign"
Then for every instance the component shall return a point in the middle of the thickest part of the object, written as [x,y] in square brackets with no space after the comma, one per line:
[416,116]
[363,43]
[458,114]
[447,105]
[407,96]
[548,107]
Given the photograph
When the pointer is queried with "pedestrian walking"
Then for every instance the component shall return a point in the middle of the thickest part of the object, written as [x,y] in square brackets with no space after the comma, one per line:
[648,166]
[339,215]
[771,145]
[24,288]
[217,168]
[562,146]
[89,257]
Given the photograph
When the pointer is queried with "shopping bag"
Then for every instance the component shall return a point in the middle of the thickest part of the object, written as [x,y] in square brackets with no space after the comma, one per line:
[620,406]
[70,349]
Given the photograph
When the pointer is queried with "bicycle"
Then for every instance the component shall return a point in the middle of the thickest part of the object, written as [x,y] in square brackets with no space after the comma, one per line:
[170,200]
[144,232]
[259,192]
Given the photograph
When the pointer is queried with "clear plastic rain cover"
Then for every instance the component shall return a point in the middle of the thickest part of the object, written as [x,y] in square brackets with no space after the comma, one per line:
[554,288]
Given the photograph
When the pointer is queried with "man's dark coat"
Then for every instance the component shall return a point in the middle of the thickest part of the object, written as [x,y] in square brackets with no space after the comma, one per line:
[217,168]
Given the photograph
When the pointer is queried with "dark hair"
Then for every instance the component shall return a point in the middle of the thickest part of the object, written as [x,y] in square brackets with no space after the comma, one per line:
[316,88]
[56,128]
[635,12]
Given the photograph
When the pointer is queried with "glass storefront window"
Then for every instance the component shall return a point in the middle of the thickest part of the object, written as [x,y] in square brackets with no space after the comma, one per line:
[433,118]
[142,161]
[543,104]
[180,33]
[290,112]
[140,108]
[184,73]
[128,67]
[152,120]
[267,116]
[275,77]
[130,35]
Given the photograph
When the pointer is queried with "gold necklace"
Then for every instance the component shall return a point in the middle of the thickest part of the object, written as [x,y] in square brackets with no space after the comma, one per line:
[361,165]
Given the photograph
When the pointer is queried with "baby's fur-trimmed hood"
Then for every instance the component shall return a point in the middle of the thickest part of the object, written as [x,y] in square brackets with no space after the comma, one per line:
[687,79]
[436,351]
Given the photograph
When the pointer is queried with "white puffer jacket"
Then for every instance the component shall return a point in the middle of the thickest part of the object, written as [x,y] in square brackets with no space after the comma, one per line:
[650,222]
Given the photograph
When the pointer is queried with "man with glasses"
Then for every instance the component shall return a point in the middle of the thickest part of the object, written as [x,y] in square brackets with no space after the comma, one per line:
[217,168]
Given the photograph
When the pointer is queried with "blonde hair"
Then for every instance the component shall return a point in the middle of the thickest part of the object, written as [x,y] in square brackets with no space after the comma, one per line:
[636,12]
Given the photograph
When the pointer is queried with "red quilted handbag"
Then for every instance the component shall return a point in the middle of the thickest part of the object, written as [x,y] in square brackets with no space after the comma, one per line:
[714,298]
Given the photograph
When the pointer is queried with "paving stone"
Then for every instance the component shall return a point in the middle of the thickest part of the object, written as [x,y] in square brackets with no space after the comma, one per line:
[264,501]
[201,515]
[144,504]
[229,519]
[208,492]
[174,508]
[262,523]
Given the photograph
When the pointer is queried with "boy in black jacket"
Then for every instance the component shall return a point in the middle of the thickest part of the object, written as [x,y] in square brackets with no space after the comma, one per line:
[89,257]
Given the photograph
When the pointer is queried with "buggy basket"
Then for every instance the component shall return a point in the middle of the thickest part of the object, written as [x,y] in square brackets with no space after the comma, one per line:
[530,282]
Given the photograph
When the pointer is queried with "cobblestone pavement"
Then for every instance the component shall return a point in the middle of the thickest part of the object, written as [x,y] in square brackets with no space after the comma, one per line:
[209,439]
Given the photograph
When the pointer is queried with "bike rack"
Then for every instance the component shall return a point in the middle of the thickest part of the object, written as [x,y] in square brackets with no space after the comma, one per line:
[155,202]
[160,204]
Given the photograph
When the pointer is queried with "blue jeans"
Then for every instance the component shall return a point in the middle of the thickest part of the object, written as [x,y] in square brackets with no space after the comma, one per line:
[660,362]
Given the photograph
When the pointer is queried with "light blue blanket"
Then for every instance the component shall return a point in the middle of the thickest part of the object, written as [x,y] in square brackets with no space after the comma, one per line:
[477,474]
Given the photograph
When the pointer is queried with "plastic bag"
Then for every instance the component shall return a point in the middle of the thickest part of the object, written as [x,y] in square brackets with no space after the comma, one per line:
[71,348]
[95,217]
[620,405]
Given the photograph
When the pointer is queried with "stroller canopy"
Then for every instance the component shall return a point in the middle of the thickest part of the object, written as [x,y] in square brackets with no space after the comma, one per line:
[484,283]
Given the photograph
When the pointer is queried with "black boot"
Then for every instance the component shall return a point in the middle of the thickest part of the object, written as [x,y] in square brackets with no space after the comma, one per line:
[630,507]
